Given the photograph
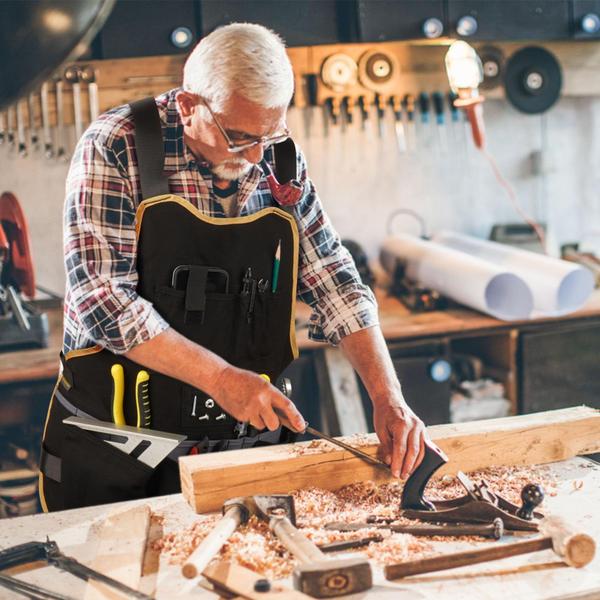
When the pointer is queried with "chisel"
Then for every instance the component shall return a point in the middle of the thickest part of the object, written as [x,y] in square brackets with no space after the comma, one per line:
[438,108]
[33,132]
[399,125]
[21,140]
[359,453]
[72,76]
[88,76]
[408,103]
[46,132]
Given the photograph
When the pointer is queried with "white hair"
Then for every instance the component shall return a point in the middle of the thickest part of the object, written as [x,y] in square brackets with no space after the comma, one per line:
[244,58]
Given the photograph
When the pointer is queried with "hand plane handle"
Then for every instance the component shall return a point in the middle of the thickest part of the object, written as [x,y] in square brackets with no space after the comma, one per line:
[412,494]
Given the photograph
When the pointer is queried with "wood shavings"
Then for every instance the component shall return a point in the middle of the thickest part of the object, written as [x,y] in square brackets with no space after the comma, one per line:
[504,481]
[577,484]
[398,547]
[255,547]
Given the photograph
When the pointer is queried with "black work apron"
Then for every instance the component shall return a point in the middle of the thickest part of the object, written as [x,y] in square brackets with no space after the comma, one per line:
[211,280]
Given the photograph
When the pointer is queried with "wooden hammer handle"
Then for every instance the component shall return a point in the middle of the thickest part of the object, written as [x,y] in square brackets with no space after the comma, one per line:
[213,542]
[462,559]
[576,549]
[297,543]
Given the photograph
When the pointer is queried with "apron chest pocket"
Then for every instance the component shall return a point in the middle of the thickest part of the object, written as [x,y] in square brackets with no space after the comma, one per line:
[94,472]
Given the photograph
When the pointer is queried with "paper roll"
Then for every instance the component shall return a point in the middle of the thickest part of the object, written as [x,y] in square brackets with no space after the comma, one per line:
[558,286]
[466,279]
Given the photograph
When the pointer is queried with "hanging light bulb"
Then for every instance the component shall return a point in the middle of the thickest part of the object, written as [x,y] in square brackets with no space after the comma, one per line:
[465,73]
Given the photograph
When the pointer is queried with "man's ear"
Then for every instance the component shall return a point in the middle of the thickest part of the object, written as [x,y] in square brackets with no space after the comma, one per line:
[186,104]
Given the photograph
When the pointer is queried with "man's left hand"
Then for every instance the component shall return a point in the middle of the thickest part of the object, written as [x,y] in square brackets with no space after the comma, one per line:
[401,434]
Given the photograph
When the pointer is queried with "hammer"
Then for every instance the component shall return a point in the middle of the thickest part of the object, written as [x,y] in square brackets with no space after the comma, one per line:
[317,575]
[236,512]
[576,549]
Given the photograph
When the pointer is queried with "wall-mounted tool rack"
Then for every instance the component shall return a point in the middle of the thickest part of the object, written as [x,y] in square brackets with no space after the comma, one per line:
[344,78]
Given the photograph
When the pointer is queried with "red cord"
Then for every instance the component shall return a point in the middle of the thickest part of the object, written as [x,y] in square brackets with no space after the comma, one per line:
[537,228]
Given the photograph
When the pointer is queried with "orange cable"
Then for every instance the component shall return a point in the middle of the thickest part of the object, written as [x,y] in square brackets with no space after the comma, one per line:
[537,228]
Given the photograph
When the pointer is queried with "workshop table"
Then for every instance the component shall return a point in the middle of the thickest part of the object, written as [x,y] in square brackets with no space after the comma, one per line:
[537,576]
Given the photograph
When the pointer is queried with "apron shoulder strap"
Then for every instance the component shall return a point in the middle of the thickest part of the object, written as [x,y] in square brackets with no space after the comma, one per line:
[150,148]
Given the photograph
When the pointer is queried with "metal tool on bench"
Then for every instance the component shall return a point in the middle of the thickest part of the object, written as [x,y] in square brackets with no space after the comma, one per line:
[349,544]
[21,325]
[49,553]
[317,575]
[147,445]
[575,548]
[493,530]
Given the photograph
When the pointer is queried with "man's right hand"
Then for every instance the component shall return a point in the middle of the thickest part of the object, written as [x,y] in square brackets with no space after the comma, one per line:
[248,397]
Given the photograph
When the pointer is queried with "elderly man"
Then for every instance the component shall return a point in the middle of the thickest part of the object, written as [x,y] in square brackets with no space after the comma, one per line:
[184,260]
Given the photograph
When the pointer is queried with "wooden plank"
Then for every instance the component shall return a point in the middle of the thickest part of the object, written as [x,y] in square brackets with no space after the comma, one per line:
[120,554]
[208,480]
[238,580]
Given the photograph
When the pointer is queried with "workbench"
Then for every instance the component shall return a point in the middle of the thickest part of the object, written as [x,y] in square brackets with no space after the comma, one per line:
[538,576]
[397,323]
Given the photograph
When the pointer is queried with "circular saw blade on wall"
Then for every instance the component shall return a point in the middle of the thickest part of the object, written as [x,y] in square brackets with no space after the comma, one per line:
[378,71]
[339,72]
[533,80]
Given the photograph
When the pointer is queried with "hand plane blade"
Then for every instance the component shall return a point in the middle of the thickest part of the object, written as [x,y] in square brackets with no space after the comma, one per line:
[147,445]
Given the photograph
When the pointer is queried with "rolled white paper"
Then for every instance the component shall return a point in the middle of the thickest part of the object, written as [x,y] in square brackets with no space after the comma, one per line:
[558,286]
[466,279]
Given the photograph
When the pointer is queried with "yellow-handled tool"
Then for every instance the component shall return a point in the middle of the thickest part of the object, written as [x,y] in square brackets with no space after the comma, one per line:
[142,399]
[118,394]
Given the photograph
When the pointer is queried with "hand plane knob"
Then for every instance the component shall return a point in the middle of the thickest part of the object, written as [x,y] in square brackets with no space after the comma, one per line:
[532,495]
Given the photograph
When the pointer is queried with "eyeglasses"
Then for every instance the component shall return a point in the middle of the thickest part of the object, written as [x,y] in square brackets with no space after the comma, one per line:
[248,141]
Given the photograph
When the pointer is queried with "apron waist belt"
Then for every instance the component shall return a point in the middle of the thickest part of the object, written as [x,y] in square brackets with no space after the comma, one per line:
[50,465]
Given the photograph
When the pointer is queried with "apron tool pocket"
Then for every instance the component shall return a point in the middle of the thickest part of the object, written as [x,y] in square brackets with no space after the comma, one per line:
[94,472]
[211,328]
[262,328]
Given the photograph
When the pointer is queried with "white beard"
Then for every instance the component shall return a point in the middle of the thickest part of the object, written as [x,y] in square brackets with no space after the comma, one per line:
[232,169]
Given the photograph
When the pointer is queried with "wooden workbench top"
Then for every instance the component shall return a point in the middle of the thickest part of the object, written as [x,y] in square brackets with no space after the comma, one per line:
[537,576]
[397,323]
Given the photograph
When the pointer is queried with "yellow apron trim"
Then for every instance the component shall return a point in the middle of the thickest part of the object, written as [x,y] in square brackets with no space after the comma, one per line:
[40,474]
[83,352]
[149,202]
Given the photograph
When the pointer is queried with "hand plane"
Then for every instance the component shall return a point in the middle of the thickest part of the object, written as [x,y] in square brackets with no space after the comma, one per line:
[147,445]
[479,505]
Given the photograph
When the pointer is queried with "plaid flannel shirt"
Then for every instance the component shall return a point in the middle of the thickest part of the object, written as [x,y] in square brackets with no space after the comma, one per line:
[102,305]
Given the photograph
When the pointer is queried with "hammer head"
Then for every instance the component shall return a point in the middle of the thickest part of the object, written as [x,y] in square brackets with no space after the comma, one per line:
[277,505]
[331,578]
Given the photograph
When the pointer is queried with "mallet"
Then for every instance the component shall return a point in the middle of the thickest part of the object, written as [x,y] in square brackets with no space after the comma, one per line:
[576,549]
[317,575]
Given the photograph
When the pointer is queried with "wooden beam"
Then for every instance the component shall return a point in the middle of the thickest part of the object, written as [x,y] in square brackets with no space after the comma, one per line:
[208,480]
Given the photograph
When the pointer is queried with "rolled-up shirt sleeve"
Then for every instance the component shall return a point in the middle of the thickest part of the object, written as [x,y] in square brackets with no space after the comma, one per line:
[328,279]
[100,254]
